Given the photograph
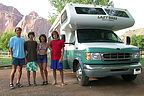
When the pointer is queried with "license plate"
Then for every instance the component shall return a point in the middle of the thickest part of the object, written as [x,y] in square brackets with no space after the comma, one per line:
[137,71]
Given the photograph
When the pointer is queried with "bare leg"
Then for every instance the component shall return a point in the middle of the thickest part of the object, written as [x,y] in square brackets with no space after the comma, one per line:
[45,71]
[12,73]
[19,73]
[62,76]
[41,71]
[54,75]
[34,76]
[28,76]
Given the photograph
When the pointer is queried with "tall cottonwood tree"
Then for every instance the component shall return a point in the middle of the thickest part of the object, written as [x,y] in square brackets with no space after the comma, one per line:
[60,4]
[5,39]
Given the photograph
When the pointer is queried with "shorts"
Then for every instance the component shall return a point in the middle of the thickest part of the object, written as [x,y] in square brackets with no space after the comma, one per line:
[56,65]
[42,58]
[18,61]
[31,66]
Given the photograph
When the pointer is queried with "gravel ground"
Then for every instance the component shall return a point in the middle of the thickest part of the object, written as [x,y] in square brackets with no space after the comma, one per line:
[109,86]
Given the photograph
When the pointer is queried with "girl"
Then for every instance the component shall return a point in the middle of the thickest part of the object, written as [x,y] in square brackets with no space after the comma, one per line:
[42,58]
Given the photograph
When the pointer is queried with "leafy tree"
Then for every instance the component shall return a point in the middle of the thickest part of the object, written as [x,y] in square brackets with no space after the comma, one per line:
[5,39]
[52,17]
[137,41]
[59,4]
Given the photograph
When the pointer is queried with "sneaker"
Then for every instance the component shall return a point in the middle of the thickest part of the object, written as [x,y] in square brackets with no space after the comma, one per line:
[18,85]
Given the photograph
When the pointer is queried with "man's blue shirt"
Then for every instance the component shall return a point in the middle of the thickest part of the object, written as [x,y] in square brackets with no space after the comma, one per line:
[17,45]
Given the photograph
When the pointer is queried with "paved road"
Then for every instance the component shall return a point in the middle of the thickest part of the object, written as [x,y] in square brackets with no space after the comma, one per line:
[110,86]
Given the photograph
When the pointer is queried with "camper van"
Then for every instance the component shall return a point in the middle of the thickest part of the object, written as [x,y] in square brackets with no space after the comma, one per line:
[92,49]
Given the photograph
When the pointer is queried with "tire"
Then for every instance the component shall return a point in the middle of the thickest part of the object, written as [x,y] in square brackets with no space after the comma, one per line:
[81,78]
[129,77]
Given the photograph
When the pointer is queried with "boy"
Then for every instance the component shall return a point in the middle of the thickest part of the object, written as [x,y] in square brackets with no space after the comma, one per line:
[56,47]
[31,57]
[16,48]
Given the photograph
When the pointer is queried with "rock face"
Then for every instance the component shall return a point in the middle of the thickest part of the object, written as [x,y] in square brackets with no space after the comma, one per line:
[132,32]
[10,18]
[33,22]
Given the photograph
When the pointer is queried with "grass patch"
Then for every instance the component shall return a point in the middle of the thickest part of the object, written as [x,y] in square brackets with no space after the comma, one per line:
[5,61]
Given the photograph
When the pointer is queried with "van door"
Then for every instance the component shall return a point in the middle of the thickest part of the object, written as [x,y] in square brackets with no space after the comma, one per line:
[71,50]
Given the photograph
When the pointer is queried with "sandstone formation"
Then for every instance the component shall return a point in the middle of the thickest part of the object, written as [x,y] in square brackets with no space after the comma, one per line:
[33,22]
[132,32]
[10,18]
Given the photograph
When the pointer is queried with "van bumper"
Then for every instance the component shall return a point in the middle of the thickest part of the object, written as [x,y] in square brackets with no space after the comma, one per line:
[111,70]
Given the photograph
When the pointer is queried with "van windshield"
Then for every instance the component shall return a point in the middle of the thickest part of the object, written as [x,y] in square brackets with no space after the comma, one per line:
[97,35]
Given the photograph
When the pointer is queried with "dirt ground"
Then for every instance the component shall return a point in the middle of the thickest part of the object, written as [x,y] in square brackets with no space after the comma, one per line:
[109,86]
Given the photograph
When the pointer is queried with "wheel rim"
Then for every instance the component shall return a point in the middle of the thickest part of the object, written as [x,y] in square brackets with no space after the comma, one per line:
[79,74]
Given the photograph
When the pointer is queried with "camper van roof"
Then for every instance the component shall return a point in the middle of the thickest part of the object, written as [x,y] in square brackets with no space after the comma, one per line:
[80,16]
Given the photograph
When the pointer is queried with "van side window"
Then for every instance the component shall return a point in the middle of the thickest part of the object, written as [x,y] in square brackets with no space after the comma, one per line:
[72,38]
[63,16]
[118,13]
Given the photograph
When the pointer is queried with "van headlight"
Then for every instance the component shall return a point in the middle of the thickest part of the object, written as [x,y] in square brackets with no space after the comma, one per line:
[92,56]
[136,55]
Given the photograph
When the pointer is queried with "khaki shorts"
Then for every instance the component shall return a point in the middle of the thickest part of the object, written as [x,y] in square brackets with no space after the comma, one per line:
[31,66]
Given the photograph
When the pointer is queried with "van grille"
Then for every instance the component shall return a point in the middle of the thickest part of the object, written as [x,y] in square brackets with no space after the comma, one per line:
[116,56]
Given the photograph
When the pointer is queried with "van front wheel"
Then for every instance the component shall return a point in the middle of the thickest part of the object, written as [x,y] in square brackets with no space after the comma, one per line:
[129,77]
[81,78]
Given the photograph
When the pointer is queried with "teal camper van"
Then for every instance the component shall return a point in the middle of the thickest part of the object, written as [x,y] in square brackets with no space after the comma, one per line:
[92,49]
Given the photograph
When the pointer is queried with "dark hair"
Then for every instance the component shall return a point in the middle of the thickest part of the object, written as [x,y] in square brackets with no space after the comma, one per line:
[56,33]
[18,28]
[43,35]
[31,33]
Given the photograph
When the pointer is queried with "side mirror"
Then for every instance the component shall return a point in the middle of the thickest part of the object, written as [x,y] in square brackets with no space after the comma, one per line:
[128,40]
[63,37]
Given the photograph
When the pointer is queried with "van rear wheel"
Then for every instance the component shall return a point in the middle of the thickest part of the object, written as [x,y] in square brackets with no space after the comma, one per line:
[129,77]
[81,78]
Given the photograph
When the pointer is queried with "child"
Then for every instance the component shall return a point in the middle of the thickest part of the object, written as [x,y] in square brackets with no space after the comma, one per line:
[56,47]
[31,57]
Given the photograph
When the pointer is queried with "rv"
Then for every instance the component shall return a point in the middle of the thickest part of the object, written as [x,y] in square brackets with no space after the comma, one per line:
[92,49]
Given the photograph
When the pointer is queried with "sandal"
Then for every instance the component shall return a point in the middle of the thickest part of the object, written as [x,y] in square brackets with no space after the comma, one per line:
[43,83]
[46,82]
[11,86]
[18,85]
[34,84]
[29,84]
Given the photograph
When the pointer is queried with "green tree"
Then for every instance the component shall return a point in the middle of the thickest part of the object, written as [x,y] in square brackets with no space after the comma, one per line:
[137,41]
[52,17]
[5,39]
[59,4]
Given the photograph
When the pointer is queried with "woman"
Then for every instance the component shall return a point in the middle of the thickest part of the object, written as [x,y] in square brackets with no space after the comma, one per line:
[42,58]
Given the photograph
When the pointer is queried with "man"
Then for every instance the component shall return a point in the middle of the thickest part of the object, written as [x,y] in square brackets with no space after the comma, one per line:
[16,48]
